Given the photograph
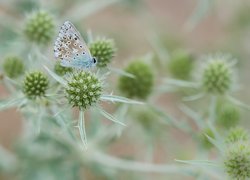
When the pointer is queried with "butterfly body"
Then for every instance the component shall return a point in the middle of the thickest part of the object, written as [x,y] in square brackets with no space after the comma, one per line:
[79,62]
[71,48]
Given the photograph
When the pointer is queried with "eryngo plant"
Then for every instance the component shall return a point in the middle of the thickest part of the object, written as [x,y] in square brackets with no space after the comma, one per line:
[84,90]
[36,95]
[48,95]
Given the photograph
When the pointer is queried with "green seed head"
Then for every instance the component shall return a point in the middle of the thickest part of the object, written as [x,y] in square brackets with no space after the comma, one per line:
[13,66]
[217,76]
[237,134]
[181,64]
[61,70]
[237,161]
[40,27]
[35,84]
[84,89]
[103,50]
[141,85]
[228,115]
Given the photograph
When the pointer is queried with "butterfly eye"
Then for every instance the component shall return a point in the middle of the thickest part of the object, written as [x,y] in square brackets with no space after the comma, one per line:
[94,60]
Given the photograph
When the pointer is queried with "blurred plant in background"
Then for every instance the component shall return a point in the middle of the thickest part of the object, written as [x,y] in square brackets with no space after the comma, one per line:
[179,116]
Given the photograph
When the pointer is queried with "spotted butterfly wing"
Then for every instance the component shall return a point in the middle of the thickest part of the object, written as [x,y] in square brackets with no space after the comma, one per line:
[71,48]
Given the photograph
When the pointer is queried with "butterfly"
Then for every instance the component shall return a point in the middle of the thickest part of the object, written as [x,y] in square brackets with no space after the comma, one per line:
[71,48]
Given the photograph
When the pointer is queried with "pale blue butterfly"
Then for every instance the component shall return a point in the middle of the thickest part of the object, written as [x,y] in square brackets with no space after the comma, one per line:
[71,48]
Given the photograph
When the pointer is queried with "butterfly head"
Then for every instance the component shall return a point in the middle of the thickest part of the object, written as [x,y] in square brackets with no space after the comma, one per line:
[94,60]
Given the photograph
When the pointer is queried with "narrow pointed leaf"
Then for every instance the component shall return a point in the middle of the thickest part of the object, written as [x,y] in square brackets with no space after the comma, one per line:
[120,99]
[182,83]
[239,103]
[109,116]
[194,97]
[5,104]
[81,126]
[56,77]
[121,72]
[197,162]
[216,143]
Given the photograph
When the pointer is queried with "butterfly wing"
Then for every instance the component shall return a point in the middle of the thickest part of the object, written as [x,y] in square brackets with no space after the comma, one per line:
[69,45]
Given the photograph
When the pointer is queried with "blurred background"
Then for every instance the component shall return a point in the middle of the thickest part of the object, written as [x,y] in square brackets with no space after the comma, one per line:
[140,28]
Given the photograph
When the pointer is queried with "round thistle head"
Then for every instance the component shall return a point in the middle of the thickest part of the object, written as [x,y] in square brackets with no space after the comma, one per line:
[217,75]
[141,85]
[103,50]
[61,70]
[181,64]
[35,84]
[237,161]
[13,66]
[83,90]
[237,134]
[40,27]
[228,115]
[205,143]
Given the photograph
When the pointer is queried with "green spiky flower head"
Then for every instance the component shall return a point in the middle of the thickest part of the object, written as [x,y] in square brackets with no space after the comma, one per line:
[181,64]
[237,134]
[237,161]
[141,85]
[61,70]
[40,27]
[217,75]
[13,66]
[35,84]
[83,89]
[103,50]
[228,114]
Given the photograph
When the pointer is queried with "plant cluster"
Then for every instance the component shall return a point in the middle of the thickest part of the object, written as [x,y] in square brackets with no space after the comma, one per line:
[75,119]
